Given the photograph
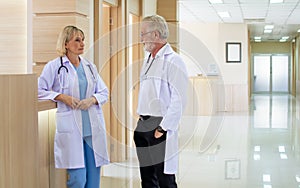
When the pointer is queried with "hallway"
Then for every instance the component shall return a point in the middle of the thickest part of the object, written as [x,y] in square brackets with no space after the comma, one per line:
[259,149]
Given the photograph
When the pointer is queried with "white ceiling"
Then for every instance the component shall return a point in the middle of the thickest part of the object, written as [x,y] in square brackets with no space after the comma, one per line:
[256,13]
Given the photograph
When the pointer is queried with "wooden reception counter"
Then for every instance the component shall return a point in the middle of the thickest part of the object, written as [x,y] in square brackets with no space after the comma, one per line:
[49,176]
[19,156]
[26,137]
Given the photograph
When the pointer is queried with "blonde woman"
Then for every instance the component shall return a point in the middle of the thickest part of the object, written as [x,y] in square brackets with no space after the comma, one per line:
[74,83]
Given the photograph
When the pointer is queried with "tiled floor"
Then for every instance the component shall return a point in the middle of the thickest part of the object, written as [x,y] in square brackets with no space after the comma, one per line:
[255,149]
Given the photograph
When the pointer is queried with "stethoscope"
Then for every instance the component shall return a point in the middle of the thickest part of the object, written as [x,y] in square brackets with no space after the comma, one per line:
[63,79]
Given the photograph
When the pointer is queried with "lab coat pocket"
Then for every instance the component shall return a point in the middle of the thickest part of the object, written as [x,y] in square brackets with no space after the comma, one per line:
[64,122]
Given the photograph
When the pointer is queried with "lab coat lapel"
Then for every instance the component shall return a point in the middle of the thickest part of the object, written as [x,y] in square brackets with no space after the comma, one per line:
[87,70]
[162,63]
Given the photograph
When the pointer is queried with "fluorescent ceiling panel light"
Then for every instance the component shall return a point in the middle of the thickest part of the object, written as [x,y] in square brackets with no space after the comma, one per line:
[297,178]
[281,149]
[266,177]
[256,157]
[285,37]
[276,1]
[282,40]
[216,1]
[283,156]
[257,38]
[298,30]
[267,186]
[268,31]
[224,14]
[269,26]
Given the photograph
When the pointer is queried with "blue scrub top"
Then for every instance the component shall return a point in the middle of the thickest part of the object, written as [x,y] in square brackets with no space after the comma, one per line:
[86,123]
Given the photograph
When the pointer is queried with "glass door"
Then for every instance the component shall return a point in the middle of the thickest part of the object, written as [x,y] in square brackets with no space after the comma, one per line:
[270,73]
[280,73]
[261,77]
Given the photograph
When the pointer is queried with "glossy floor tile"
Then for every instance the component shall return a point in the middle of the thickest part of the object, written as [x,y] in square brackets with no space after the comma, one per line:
[255,149]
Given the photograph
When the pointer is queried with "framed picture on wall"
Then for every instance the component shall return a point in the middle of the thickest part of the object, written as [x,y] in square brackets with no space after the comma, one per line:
[233,52]
[232,169]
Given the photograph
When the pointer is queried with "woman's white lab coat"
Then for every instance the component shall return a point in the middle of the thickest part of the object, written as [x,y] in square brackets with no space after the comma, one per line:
[68,144]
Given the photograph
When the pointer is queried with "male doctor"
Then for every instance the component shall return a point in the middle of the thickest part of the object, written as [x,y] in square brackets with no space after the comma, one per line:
[162,96]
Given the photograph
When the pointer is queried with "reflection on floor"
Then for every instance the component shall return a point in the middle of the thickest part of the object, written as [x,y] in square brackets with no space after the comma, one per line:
[255,149]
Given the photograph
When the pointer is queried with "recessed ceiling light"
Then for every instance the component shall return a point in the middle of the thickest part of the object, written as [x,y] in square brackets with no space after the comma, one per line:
[256,157]
[276,1]
[298,31]
[283,156]
[224,14]
[268,31]
[269,26]
[281,149]
[282,40]
[215,1]
[257,147]
[267,186]
[266,177]
[285,37]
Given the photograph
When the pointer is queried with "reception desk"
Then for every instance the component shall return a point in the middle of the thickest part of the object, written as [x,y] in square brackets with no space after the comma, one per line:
[209,95]
[50,177]
[26,136]
[19,152]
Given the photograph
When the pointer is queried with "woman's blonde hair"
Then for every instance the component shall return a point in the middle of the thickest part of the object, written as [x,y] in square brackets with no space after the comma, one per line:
[158,23]
[65,36]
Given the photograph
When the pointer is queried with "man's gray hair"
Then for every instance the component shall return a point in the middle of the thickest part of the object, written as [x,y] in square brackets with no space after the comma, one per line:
[158,23]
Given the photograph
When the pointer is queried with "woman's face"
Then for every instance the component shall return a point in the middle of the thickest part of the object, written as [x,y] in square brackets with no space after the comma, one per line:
[75,45]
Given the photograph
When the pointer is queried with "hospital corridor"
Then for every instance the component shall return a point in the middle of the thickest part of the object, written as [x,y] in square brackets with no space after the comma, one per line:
[79,80]
[259,149]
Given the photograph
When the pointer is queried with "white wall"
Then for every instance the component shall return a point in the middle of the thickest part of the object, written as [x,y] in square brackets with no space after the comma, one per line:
[204,44]
[213,37]
[233,73]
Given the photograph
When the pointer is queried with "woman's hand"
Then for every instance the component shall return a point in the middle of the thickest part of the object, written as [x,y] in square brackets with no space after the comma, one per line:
[68,100]
[86,103]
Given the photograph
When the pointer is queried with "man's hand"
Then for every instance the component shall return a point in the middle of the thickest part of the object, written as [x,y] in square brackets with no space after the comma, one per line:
[158,134]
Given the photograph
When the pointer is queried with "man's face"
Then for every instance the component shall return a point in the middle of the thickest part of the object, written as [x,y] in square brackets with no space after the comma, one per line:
[148,37]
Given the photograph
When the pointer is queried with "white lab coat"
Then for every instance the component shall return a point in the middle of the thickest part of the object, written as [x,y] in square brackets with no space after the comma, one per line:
[68,143]
[169,77]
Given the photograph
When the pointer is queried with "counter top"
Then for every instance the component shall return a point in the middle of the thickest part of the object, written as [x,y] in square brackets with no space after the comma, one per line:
[46,105]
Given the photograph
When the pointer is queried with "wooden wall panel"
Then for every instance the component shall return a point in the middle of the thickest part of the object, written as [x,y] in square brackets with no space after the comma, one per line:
[167,9]
[134,7]
[13,37]
[46,30]
[111,2]
[19,131]
[104,64]
[173,32]
[58,6]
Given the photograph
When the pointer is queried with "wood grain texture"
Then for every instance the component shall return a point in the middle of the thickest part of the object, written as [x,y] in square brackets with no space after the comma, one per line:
[19,131]
[13,37]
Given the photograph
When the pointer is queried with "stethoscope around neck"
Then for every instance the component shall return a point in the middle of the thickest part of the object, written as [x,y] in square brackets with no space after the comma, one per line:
[64,79]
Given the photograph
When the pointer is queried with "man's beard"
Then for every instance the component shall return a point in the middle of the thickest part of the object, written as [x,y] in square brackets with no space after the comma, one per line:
[149,47]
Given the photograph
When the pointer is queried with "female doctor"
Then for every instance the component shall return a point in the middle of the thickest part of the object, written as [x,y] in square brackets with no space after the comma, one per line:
[74,83]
